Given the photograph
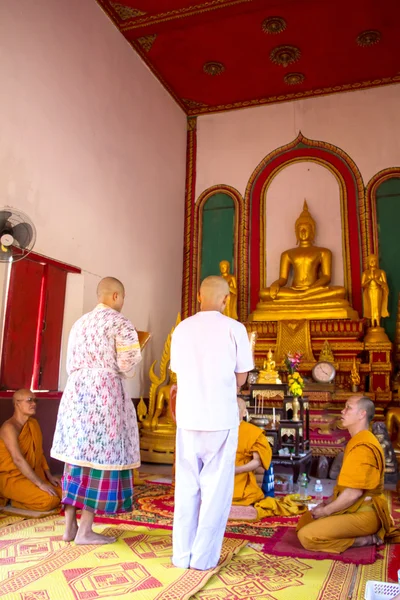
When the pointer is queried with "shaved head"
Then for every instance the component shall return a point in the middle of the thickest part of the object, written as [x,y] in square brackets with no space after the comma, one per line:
[22,394]
[111,292]
[242,407]
[366,404]
[213,293]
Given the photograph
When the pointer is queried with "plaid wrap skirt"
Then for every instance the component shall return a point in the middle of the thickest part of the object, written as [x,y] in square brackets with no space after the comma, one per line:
[97,491]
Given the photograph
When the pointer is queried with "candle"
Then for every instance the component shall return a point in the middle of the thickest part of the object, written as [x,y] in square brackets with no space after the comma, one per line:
[273,414]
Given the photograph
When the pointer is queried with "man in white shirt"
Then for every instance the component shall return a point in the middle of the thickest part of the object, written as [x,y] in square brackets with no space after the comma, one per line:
[211,355]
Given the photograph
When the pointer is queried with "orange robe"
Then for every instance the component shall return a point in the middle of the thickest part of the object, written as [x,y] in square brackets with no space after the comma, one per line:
[14,485]
[251,439]
[363,469]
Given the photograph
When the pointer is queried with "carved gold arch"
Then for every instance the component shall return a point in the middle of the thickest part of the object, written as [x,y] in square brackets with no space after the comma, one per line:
[354,235]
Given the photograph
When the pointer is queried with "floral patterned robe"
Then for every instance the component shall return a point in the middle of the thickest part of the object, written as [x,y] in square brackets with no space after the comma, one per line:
[96,422]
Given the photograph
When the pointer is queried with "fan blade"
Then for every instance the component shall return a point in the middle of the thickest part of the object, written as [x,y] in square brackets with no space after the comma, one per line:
[23,233]
[4,216]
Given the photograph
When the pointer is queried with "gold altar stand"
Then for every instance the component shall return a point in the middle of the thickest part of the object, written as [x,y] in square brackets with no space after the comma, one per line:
[345,337]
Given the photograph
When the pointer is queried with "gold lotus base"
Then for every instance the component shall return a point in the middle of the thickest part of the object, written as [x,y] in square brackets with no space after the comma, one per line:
[302,310]
[157,446]
[376,335]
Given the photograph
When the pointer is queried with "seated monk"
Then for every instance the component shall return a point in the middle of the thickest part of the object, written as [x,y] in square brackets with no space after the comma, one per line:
[253,451]
[357,514]
[25,477]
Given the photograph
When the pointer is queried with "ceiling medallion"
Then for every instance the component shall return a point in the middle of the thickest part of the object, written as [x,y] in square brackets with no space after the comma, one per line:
[285,55]
[126,12]
[369,38]
[213,68]
[273,25]
[294,78]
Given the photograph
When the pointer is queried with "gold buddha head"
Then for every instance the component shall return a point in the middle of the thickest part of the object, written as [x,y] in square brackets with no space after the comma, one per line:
[224,267]
[372,261]
[305,226]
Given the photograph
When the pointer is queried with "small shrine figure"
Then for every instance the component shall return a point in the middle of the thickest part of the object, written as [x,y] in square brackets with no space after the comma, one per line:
[326,354]
[354,377]
[376,292]
[391,467]
[231,305]
[269,374]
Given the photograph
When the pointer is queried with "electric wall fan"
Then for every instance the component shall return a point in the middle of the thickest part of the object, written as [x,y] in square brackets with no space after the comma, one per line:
[17,235]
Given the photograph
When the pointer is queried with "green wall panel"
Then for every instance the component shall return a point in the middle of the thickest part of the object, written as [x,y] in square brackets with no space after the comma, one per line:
[388,216]
[217,241]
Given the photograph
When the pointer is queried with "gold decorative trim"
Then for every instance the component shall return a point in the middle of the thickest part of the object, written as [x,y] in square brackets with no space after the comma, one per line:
[213,68]
[273,25]
[326,91]
[182,13]
[147,41]
[285,55]
[369,38]
[192,103]
[126,12]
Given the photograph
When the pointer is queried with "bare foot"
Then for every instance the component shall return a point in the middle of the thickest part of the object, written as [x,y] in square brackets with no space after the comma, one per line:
[93,538]
[70,533]
[367,540]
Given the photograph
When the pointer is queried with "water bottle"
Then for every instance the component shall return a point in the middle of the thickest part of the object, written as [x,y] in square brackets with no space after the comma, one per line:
[303,486]
[318,491]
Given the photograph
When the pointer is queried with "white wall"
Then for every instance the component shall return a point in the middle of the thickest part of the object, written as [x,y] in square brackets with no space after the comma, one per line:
[365,124]
[93,149]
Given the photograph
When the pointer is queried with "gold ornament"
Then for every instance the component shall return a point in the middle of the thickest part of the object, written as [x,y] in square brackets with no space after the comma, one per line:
[285,55]
[309,296]
[294,78]
[273,25]
[126,12]
[147,41]
[213,68]
[369,38]
[326,354]
[354,377]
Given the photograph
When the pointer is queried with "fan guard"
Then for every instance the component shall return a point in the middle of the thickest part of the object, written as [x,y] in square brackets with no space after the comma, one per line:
[17,235]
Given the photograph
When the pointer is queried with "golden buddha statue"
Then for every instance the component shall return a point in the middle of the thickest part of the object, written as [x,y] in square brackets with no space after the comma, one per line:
[163,417]
[231,305]
[309,296]
[268,373]
[375,299]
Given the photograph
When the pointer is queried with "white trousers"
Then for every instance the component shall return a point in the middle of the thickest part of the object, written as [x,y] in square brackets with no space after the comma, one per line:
[204,480]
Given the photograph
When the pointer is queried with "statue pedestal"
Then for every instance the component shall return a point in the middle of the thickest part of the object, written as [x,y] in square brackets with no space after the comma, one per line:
[157,446]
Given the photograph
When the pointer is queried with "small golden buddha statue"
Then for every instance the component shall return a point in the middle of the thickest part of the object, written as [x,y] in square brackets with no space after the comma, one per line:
[231,305]
[375,299]
[162,417]
[309,296]
[326,354]
[268,373]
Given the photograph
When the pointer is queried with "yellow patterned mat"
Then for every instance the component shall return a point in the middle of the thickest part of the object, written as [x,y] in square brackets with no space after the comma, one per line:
[35,564]
[252,575]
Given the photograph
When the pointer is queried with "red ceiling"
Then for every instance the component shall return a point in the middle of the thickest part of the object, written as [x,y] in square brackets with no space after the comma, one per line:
[177,37]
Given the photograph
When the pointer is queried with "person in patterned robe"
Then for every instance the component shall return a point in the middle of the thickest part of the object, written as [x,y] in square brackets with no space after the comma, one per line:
[96,432]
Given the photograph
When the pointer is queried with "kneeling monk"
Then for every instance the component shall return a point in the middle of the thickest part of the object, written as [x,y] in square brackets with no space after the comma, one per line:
[253,451]
[357,514]
[25,477]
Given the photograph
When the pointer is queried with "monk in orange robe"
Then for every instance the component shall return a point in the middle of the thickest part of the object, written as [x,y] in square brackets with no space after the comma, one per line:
[25,477]
[253,451]
[357,514]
